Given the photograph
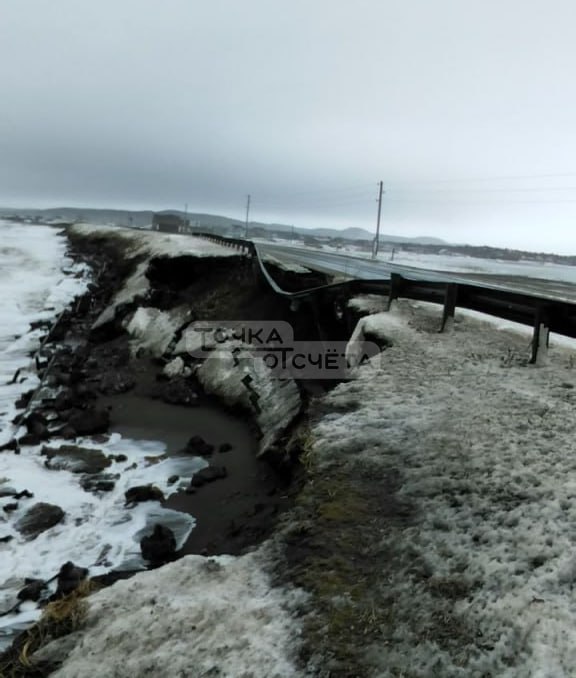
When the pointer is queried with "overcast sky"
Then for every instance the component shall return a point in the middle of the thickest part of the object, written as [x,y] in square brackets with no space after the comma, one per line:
[466,109]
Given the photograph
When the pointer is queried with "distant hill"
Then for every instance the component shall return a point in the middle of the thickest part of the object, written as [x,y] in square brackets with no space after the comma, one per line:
[143,218]
[236,227]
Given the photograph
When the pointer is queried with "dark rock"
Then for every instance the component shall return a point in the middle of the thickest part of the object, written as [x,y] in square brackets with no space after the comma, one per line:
[84,392]
[29,439]
[23,400]
[163,299]
[178,391]
[75,459]
[69,578]
[199,447]
[173,479]
[7,491]
[24,494]
[62,378]
[115,382]
[60,329]
[117,457]
[10,508]
[160,546]
[67,432]
[63,401]
[87,422]
[225,447]
[37,425]
[39,325]
[102,482]
[208,475]
[33,590]
[39,518]
[141,493]
[6,539]
[10,445]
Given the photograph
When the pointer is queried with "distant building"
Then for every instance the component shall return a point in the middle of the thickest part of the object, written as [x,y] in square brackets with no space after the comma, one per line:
[169,223]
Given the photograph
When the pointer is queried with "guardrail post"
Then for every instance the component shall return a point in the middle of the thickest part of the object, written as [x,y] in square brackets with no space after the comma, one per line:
[540,337]
[396,284]
[450,298]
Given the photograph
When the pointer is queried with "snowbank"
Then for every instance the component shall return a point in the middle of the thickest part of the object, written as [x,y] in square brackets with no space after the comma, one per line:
[194,617]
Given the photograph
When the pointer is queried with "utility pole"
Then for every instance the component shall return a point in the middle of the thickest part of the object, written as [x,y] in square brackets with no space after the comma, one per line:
[377,238]
[247,217]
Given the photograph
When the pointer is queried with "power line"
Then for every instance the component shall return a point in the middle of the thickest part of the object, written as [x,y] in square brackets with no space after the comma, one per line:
[313,194]
[298,204]
[480,202]
[489,190]
[509,177]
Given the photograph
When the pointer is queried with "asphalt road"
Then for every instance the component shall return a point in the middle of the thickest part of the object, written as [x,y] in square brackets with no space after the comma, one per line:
[350,266]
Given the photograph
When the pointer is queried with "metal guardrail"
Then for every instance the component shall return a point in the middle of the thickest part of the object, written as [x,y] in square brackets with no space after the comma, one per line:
[544,315]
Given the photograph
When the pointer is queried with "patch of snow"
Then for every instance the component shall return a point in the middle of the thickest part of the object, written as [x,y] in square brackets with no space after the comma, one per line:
[485,450]
[368,303]
[156,244]
[152,330]
[175,368]
[195,617]
[136,285]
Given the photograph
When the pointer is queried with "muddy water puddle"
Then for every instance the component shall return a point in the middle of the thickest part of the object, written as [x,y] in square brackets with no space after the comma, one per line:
[232,513]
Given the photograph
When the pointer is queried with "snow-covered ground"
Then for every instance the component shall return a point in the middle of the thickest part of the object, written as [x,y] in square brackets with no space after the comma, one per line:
[195,617]
[463,264]
[484,446]
[154,243]
[452,263]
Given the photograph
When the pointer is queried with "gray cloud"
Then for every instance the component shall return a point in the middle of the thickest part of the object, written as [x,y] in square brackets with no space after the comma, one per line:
[305,105]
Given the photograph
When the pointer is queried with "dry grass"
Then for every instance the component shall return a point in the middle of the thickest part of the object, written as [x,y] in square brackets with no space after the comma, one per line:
[59,618]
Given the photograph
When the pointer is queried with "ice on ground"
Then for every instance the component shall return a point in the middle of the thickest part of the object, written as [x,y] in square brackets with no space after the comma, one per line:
[240,378]
[195,617]
[152,330]
[484,446]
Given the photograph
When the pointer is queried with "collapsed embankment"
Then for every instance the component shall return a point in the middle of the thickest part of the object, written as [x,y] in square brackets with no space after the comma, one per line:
[140,347]
[119,363]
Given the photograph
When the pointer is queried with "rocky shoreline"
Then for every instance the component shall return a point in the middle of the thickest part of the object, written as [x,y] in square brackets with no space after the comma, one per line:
[95,382]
